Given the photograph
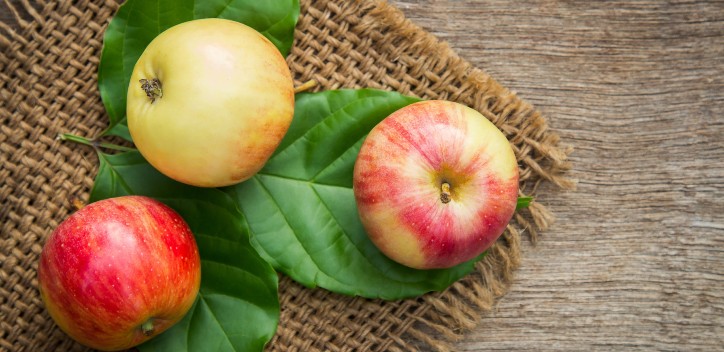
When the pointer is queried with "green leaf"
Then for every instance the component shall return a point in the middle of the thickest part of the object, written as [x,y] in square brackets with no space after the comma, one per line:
[119,129]
[301,208]
[238,307]
[523,202]
[223,319]
[137,22]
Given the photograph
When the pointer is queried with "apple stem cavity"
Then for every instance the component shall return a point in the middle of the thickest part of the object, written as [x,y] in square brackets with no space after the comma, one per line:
[445,195]
[148,327]
[93,143]
[152,87]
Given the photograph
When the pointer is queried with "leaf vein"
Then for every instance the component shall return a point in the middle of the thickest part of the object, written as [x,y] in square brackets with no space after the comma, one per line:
[301,243]
[221,326]
[384,273]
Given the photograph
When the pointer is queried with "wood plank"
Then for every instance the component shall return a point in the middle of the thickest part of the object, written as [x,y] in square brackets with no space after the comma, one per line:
[636,258]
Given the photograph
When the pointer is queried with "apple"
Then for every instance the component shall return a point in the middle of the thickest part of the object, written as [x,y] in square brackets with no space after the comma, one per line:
[435,184]
[209,101]
[119,271]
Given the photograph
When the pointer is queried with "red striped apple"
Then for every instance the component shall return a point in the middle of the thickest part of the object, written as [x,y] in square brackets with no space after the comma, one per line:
[119,271]
[209,101]
[435,184]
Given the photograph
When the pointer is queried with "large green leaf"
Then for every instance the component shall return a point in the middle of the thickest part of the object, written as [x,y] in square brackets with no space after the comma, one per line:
[302,212]
[238,307]
[137,22]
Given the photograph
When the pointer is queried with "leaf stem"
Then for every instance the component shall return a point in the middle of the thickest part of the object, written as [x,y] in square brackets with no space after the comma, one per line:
[112,146]
[523,202]
[305,86]
[93,143]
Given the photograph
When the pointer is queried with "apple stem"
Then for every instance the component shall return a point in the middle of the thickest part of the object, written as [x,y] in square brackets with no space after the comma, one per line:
[305,86]
[93,143]
[152,87]
[148,327]
[445,195]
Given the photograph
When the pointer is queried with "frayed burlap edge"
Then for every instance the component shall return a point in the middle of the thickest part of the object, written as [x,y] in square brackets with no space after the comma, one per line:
[341,44]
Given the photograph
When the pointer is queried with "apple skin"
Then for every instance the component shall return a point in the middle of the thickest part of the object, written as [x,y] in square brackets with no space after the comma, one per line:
[119,271]
[227,100]
[399,178]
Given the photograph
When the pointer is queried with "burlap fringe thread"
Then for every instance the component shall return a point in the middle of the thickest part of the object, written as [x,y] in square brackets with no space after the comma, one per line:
[48,69]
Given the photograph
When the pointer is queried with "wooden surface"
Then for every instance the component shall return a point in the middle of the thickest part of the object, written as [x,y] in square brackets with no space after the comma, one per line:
[636,257]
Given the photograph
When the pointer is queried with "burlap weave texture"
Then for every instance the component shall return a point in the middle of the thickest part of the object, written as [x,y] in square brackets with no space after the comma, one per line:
[49,85]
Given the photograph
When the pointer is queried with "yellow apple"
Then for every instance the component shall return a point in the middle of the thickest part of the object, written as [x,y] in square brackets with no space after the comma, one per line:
[209,101]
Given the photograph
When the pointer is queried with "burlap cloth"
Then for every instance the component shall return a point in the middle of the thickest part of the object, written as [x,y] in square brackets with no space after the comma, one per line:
[48,68]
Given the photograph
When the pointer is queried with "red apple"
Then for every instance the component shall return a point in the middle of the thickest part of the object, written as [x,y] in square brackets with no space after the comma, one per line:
[435,183]
[119,271]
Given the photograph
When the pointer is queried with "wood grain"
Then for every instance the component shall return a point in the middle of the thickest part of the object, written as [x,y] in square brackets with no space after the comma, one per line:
[636,257]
